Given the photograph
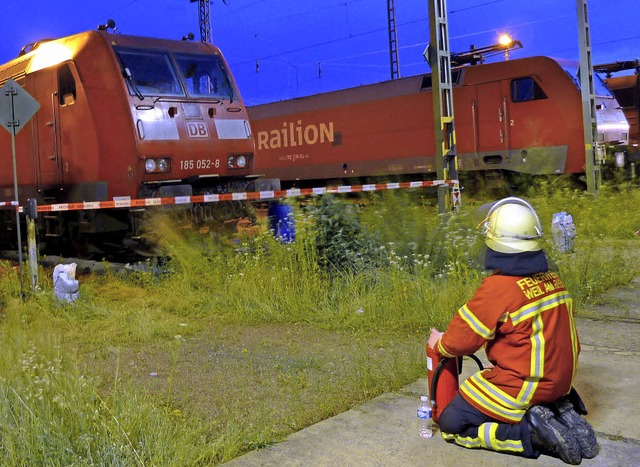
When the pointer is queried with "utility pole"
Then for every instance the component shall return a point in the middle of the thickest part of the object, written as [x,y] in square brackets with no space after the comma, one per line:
[204,19]
[592,169]
[393,40]
[438,56]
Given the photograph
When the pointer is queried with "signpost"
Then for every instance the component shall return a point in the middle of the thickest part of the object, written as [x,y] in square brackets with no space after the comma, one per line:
[16,109]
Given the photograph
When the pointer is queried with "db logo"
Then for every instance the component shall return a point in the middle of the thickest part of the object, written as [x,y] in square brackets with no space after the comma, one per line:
[197,130]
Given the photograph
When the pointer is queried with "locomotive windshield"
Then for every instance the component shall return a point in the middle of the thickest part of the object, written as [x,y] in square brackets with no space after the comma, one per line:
[150,73]
[205,76]
[598,85]
[154,73]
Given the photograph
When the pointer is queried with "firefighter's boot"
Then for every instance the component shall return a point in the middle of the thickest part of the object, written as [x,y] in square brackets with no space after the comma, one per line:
[548,433]
[580,428]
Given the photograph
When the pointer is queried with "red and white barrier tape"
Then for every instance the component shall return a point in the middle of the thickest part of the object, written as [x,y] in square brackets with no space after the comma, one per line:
[246,196]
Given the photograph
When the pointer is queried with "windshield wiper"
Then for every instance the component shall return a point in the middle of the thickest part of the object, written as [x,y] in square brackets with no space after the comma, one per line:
[127,74]
[226,77]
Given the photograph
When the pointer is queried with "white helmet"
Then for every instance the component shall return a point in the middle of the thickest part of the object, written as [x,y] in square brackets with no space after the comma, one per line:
[512,226]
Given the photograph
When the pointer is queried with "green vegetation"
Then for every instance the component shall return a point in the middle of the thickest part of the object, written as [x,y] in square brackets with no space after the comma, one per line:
[240,344]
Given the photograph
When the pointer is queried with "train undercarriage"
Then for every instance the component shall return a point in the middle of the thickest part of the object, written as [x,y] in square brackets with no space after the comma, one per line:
[126,234]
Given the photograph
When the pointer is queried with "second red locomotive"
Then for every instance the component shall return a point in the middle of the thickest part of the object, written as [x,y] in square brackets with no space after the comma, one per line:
[520,116]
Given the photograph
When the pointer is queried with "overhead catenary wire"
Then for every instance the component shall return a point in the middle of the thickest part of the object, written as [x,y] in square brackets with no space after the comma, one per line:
[348,44]
[314,9]
[383,29]
[9,6]
[424,43]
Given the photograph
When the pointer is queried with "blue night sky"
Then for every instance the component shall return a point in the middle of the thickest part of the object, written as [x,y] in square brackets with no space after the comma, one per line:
[304,47]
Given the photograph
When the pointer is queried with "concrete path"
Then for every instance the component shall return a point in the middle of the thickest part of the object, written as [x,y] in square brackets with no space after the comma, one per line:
[383,431]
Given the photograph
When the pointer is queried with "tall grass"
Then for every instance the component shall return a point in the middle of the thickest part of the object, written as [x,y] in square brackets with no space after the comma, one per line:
[400,285]
[242,341]
[51,412]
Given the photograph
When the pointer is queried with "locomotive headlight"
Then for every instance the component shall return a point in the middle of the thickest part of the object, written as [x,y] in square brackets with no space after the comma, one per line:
[150,165]
[237,161]
[157,165]
[49,54]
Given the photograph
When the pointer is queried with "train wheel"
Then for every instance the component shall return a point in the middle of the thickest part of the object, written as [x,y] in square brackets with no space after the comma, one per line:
[80,244]
[81,248]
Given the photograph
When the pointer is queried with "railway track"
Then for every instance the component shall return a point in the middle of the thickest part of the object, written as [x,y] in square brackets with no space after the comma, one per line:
[152,264]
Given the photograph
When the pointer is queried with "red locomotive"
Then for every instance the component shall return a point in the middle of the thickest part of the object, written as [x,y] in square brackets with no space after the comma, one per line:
[520,115]
[626,88]
[123,117]
[627,92]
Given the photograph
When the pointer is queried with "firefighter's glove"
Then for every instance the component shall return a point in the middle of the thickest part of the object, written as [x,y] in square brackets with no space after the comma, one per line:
[434,338]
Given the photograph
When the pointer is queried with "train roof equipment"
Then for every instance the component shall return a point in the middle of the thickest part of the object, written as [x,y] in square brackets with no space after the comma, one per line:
[615,67]
[475,56]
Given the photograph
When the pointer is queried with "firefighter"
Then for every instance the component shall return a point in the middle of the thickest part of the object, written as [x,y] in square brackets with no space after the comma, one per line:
[523,315]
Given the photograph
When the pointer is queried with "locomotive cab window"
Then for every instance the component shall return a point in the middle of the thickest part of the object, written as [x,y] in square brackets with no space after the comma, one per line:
[205,76]
[66,86]
[526,89]
[149,73]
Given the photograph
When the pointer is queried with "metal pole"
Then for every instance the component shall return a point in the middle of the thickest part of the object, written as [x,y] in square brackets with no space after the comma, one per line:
[32,214]
[439,59]
[204,19]
[393,40]
[14,124]
[592,170]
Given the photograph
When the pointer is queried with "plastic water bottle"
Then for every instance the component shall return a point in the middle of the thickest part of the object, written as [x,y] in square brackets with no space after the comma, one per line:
[425,424]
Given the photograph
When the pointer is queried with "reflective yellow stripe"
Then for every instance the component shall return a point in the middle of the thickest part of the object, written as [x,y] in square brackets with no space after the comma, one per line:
[487,433]
[475,324]
[466,442]
[442,350]
[537,347]
[528,389]
[486,439]
[497,393]
[492,399]
[537,307]
[536,368]
[574,341]
[508,445]
[448,436]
